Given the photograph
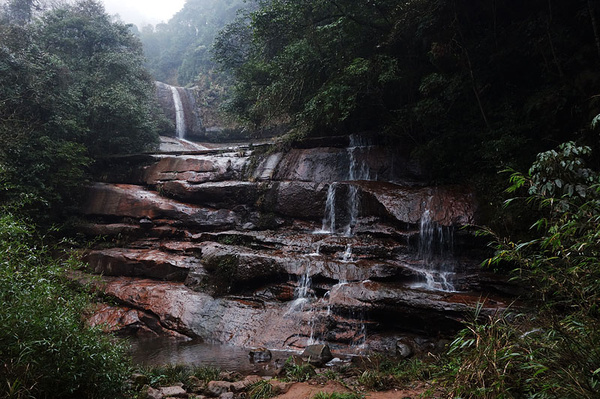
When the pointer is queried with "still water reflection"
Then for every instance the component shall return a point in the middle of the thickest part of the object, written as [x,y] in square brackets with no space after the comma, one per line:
[161,351]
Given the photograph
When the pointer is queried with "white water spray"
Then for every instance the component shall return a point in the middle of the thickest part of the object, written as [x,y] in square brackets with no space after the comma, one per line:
[357,170]
[435,252]
[347,256]
[329,218]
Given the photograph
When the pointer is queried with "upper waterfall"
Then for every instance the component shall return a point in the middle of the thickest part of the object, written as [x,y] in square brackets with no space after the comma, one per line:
[179,113]
[180,107]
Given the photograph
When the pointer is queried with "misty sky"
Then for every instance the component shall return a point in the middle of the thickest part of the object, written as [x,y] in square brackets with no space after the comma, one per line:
[143,12]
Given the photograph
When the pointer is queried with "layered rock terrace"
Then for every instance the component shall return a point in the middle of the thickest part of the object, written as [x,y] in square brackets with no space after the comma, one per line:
[230,245]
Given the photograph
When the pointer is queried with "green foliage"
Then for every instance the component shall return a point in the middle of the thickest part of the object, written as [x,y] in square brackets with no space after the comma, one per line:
[297,372]
[73,88]
[468,86]
[490,360]
[166,375]
[46,350]
[222,270]
[173,373]
[554,354]
[562,258]
[516,356]
[372,379]
[179,51]
[206,373]
[382,372]
[261,390]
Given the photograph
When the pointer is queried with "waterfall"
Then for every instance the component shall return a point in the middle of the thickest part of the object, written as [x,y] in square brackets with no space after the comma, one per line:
[356,171]
[328,226]
[179,114]
[302,293]
[347,256]
[435,253]
[304,296]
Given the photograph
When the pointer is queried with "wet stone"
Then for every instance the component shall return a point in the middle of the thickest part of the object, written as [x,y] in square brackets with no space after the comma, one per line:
[260,355]
[317,354]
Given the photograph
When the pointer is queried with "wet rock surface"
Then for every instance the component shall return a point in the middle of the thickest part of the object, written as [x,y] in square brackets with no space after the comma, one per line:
[347,246]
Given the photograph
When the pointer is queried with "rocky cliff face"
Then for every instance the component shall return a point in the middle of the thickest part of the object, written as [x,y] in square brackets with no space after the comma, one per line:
[339,244]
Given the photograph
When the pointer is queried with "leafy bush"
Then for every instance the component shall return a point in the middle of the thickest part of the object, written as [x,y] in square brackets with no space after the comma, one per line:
[46,350]
[489,360]
[554,354]
[73,89]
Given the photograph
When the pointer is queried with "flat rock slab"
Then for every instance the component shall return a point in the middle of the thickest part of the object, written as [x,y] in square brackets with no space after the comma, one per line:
[140,263]
[131,201]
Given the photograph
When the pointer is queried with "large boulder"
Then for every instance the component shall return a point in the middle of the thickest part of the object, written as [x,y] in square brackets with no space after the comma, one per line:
[227,194]
[447,206]
[304,200]
[317,354]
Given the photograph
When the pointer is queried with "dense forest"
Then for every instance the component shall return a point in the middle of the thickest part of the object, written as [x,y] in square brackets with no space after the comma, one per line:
[73,87]
[470,88]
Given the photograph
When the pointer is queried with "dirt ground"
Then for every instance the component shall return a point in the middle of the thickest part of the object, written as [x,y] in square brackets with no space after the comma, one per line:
[303,390]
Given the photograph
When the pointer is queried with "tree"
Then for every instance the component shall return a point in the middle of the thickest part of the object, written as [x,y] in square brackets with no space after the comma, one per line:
[73,88]
[466,85]
[179,51]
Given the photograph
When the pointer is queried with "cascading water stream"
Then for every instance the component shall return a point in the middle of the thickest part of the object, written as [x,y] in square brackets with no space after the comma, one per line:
[303,296]
[435,253]
[347,256]
[356,171]
[179,114]
[328,226]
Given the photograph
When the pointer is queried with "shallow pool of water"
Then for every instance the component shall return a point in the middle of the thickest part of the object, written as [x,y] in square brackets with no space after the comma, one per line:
[162,351]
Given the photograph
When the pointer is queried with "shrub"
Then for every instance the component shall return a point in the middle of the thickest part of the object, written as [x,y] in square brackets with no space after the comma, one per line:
[260,390]
[554,354]
[169,374]
[46,349]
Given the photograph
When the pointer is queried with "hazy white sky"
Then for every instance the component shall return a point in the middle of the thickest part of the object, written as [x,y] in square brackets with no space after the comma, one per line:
[143,12]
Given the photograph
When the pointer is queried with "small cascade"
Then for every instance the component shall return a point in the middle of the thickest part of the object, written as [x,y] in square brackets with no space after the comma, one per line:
[328,226]
[317,251]
[357,170]
[353,204]
[179,114]
[360,339]
[435,252]
[302,292]
[305,301]
[347,256]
